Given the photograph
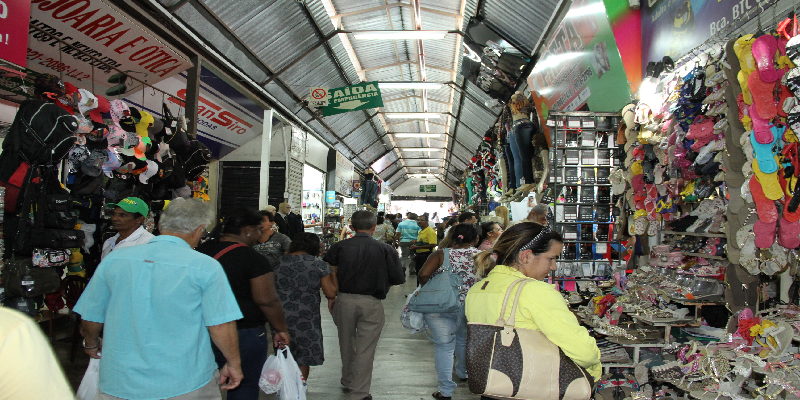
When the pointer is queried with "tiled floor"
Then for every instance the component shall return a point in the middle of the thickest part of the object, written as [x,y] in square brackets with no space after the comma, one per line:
[403,367]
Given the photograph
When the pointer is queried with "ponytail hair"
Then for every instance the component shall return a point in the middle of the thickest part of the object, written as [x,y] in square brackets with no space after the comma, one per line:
[519,237]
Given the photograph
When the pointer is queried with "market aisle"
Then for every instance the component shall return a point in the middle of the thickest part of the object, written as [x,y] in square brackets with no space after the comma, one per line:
[403,362]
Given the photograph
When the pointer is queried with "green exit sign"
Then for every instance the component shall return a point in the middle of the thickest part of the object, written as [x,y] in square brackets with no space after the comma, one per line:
[427,188]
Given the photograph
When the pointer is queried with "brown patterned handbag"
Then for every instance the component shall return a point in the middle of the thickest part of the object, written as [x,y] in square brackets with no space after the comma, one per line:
[516,363]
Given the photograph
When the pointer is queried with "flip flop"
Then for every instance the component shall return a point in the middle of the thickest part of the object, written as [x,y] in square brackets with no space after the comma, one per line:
[793,49]
[763,97]
[789,234]
[761,127]
[764,153]
[785,102]
[765,207]
[764,234]
[768,181]
[764,49]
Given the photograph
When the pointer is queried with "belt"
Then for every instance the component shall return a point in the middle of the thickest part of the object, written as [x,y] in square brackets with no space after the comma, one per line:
[520,121]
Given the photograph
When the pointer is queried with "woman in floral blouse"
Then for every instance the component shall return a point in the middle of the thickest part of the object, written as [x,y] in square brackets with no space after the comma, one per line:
[450,329]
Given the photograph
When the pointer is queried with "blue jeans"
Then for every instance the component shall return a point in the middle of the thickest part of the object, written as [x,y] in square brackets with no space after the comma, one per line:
[450,338]
[511,177]
[520,141]
[253,344]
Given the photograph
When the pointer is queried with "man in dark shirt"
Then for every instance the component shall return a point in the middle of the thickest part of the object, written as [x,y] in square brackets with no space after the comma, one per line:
[365,269]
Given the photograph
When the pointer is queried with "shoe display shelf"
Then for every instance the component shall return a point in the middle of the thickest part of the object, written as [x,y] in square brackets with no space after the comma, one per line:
[581,159]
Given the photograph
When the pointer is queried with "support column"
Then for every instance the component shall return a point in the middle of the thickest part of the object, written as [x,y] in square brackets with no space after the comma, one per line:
[266,141]
[193,94]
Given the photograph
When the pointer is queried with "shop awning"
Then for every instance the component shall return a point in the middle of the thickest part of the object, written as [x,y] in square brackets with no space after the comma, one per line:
[288,46]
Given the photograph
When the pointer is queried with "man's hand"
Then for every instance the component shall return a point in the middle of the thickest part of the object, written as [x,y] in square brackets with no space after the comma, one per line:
[413,247]
[280,339]
[230,376]
[95,352]
[331,303]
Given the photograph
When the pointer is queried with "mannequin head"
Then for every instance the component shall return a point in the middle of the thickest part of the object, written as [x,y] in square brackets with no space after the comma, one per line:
[285,208]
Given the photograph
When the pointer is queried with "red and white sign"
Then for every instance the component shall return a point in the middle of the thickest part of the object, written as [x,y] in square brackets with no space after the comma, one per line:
[14,16]
[99,31]
[319,97]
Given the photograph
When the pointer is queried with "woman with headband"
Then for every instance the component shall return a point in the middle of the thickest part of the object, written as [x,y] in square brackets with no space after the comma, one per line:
[530,250]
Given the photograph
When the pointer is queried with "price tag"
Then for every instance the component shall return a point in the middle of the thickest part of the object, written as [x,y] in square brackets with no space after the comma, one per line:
[23,283]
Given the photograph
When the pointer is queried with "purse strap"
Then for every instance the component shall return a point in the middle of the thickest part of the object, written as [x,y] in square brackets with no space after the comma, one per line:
[227,249]
[446,266]
[501,321]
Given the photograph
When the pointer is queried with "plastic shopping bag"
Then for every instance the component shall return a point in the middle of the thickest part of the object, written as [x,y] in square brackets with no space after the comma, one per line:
[293,386]
[91,379]
[412,320]
[272,374]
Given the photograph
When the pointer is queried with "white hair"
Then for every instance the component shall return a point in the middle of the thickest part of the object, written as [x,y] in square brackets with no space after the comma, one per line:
[185,215]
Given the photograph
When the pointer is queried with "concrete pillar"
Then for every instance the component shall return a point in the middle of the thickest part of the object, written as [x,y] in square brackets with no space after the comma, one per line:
[266,140]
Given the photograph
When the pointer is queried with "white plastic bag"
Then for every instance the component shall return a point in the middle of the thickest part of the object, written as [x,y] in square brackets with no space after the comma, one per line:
[91,380]
[412,320]
[272,374]
[293,387]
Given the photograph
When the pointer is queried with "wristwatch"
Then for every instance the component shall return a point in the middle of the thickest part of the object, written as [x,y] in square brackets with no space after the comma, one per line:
[91,348]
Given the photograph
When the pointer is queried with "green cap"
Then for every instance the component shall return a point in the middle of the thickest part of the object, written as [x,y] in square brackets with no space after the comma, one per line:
[132,205]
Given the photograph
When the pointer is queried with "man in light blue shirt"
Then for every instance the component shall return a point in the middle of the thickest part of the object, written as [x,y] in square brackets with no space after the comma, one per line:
[159,305]
[407,231]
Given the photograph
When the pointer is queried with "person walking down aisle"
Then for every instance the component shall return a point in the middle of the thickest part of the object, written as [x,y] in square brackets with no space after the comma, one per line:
[408,231]
[272,245]
[365,269]
[450,329]
[425,243]
[384,232]
[127,218]
[28,367]
[490,231]
[299,276]
[530,250]
[160,305]
[253,283]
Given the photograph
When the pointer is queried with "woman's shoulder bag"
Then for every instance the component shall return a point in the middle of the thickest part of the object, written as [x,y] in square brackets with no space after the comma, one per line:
[516,363]
[440,293]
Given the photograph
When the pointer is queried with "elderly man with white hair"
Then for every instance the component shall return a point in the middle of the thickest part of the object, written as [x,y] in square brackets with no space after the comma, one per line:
[160,305]
[537,214]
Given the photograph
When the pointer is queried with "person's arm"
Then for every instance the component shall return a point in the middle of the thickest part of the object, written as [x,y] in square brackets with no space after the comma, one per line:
[91,335]
[286,244]
[397,275]
[552,316]
[342,233]
[265,295]
[226,338]
[397,236]
[431,265]
[330,288]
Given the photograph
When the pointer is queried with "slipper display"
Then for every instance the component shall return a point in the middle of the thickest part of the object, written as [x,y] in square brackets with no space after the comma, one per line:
[764,49]
[767,211]
[763,97]
[768,181]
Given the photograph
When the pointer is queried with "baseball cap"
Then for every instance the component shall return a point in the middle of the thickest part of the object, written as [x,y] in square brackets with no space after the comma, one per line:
[144,123]
[132,205]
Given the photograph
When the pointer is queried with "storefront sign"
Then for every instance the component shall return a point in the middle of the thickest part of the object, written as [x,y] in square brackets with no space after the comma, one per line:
[356,185]
[674,27]
[99,30]
[330,196]
[353,98]
[344,175]
[14,16]
[318,97]
[427,188]
[581,67]
[227,119]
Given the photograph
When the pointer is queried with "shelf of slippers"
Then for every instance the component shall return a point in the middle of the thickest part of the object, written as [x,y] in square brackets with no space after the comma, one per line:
[706,256]
[713,235]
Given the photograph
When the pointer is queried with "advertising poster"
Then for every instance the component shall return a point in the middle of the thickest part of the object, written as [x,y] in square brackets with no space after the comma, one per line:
[581,68]
[14,15]
[227,119]
[343,175]
[674,27]
[627,27]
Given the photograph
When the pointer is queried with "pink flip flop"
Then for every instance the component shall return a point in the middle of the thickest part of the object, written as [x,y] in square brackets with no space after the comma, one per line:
[764,234]
[765,207]
[788,234]
[761,127]
[763,97]
[764,49]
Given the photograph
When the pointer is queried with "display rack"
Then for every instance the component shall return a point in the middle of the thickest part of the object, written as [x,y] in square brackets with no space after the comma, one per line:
[313,206]
[581,159]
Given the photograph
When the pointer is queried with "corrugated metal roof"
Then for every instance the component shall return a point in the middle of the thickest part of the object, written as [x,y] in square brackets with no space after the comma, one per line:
[525,25]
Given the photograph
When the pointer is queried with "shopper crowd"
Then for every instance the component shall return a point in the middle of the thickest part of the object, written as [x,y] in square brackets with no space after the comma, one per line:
[184,314]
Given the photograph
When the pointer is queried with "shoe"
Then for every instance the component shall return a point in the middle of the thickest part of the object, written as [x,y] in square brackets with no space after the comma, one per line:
[467,379]
[439,395]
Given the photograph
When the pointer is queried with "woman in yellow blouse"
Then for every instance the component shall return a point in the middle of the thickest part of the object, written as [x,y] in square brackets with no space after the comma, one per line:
[530,250]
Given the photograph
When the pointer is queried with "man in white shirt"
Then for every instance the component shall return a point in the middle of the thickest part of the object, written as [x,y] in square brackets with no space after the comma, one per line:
[127,217]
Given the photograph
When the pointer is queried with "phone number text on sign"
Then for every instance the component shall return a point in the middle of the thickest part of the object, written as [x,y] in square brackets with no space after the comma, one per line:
[56,65]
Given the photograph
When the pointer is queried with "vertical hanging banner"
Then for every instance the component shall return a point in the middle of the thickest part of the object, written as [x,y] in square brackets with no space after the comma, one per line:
[352,98]
[343,175]
[98,30]
[581,68]
[673,27]
[14,16]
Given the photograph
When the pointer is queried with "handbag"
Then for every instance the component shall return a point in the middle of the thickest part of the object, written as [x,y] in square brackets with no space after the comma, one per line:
[517,363]
[440,293]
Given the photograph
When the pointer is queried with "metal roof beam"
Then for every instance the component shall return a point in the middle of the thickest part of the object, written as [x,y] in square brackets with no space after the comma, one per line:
[399,63]
[405,122]
[415,96]
[387,7]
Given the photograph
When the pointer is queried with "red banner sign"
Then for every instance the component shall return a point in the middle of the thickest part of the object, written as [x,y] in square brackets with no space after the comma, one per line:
[14,16]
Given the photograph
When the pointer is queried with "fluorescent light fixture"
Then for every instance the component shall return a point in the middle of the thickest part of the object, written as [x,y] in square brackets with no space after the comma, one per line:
[410,85]
[421,176]
[418,135]
[412,115]
[399,35]
[420,149]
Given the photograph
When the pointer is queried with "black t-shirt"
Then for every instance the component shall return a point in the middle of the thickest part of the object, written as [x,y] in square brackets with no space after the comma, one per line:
[241,264]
